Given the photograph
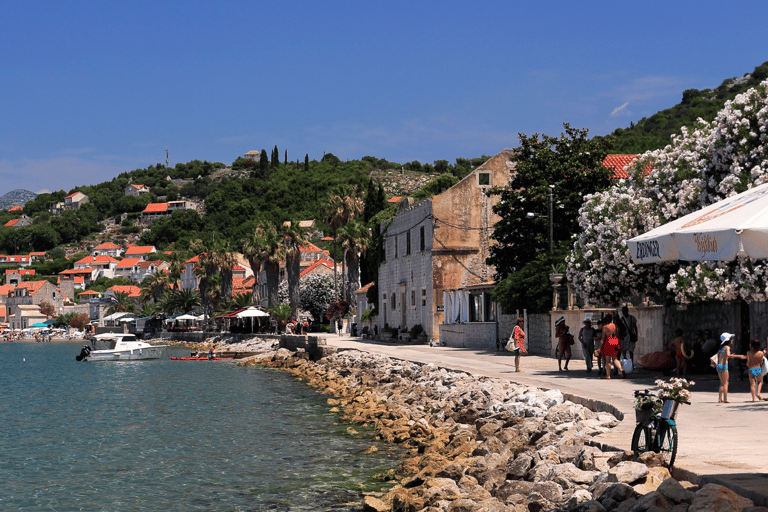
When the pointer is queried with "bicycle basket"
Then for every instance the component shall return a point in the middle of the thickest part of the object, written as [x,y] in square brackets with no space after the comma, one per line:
[642,415]
[669,410]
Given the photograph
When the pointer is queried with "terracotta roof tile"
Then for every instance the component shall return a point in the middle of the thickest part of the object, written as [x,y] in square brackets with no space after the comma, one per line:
[618,164]
[32,286]
[96,259]
[132,291]
[314,265]
[139,249]
[128,263]
[156,208]
[106,245]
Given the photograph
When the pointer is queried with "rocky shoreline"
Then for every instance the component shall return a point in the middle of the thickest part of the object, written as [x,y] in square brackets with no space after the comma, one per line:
[485,444]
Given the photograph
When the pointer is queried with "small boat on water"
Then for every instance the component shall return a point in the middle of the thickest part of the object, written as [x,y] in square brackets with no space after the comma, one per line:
[200,358]
[121,347]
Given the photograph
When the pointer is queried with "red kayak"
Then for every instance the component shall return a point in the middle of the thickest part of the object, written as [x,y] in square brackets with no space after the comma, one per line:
[204,358]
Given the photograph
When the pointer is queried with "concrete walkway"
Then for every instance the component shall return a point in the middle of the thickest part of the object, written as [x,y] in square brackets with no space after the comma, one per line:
[720,443]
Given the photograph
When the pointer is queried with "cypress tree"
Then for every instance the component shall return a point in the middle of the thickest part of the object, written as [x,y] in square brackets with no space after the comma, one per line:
[306,162]
[286,157]
[275,157]
[263,162]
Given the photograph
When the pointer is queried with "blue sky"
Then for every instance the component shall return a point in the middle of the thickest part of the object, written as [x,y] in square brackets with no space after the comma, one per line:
[92,89]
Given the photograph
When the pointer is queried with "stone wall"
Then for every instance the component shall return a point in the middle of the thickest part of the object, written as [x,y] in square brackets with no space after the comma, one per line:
[650,323]
[473,334]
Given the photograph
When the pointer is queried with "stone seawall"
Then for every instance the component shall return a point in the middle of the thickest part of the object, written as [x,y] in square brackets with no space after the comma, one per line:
[479,443]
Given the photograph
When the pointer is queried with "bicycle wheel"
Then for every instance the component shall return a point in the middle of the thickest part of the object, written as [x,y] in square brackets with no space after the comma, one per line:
[641,439]
[667,439]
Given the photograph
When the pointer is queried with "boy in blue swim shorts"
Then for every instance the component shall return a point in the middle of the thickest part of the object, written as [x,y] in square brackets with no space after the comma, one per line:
[755,368]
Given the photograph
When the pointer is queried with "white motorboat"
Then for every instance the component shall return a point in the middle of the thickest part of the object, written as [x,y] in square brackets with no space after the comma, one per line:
[121,347]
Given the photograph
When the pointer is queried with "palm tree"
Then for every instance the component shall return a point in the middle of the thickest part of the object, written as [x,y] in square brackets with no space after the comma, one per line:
[176,265]
[355,239]
[153,287]
[206,269]
[227,261]
[254,251]
[123,304]
[269,250]
[293,240]
[147,310]
[343,204]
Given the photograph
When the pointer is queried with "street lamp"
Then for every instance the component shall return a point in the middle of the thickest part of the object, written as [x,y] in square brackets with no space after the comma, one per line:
[550,222]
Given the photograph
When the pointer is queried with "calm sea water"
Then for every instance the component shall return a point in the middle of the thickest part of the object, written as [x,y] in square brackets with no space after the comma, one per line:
[170,435]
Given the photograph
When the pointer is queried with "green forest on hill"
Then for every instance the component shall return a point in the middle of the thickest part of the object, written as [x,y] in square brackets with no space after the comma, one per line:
[235,202]
[655,132]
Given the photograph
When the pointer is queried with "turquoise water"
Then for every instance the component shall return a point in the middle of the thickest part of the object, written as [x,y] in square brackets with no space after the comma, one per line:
[169,435]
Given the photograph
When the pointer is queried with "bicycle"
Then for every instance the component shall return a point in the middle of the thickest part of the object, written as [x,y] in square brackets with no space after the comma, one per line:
[656,431]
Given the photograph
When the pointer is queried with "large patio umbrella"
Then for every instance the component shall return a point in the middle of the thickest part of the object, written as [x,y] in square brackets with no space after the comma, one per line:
[251,312]
[736,226]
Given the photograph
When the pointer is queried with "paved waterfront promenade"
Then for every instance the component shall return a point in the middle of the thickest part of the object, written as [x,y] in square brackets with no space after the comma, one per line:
[721,443]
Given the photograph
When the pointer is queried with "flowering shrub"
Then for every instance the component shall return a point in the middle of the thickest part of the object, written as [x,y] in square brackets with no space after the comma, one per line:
[337,309]
[315,292]
[648,402]
[676,389]
[704,164]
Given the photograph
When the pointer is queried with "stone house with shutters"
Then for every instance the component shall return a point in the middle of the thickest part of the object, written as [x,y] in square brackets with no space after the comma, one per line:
[435,272]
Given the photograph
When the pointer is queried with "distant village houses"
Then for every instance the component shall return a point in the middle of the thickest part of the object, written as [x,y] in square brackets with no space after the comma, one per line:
[156,210]
[136,190]
[72,202]
[21,222]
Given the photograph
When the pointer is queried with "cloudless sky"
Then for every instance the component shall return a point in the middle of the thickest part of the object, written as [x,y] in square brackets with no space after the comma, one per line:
[92,89]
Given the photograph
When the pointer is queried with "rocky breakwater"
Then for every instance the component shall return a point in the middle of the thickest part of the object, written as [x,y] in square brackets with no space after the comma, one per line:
[484,444]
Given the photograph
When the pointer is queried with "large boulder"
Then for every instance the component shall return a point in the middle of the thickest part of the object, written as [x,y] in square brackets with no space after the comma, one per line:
[627,472]
[716,498]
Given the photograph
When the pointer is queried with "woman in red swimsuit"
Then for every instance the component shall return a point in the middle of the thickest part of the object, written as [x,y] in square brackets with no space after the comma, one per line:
[610,346]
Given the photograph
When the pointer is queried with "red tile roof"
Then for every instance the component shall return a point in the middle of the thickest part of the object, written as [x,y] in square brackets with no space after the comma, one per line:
[395,199]
[4,289]
[309,247]
[22,271]
[314,265]
[618,164]
[77,271]
[139,249]
[16,259]
[132,291]
[156,208]
[41,253]
[96,259]
[106,245]
[89,292]
[128,262]
[15,209]
[73,194]
[12,222]
[365,288]
[32,286]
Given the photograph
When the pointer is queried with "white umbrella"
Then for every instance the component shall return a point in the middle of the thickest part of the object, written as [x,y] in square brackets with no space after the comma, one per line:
[251,312]
[736,226]
[186,317]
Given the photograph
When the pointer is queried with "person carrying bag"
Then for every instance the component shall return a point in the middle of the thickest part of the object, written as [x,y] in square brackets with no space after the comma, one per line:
[516,342]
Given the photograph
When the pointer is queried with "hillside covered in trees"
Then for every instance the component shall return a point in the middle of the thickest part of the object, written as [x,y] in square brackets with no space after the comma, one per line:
[655,132]
[232,200]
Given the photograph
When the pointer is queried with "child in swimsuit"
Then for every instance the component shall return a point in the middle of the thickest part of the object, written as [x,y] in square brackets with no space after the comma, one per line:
[722,365]
[754,368]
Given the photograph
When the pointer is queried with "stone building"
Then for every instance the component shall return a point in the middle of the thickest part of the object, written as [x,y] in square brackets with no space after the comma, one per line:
[435,272]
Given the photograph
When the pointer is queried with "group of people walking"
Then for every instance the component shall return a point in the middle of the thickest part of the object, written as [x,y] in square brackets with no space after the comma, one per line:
[612,338]
[609,340]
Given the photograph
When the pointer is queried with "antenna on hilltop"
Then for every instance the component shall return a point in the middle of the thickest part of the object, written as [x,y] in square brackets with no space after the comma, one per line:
[166,156]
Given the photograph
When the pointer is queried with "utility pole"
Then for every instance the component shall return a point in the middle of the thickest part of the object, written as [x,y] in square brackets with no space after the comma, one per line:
[549,217]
